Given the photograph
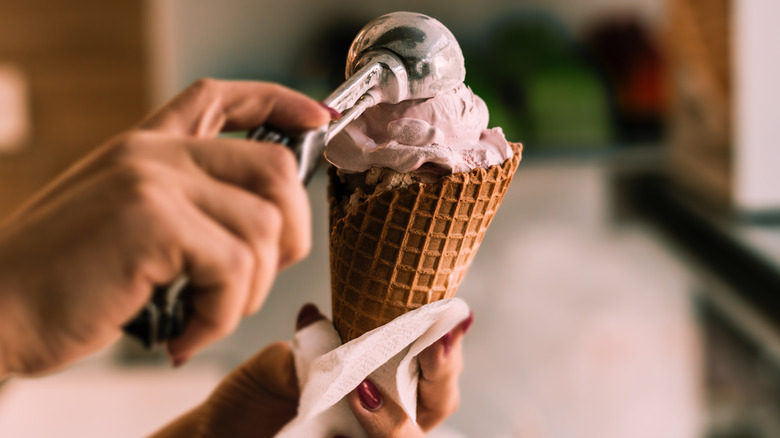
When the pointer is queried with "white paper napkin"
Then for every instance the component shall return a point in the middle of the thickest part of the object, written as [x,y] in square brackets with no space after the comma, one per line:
[328,371]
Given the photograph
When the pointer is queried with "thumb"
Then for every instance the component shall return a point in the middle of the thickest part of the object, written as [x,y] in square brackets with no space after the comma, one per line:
[210,106]
[379,416]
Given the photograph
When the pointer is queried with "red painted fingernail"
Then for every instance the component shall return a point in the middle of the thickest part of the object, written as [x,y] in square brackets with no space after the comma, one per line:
[369,395]
[335,115]
[307,315]
[446,340]
[178,361]
[466,324]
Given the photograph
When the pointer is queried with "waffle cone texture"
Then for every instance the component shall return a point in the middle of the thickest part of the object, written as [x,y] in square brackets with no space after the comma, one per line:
[408,247]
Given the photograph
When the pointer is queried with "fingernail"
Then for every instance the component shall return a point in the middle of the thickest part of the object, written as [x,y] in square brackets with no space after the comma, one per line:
[178,361]
[369,395]
[446,340]
[335,115]
[307,315]
[466,324]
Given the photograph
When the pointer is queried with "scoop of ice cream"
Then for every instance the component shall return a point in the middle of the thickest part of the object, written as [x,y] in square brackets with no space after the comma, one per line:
[443,134]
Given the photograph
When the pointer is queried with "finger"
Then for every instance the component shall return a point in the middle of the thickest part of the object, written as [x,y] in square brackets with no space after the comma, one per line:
[308,315]
[209,107]
[380,417]
[177,236]
[270,171]
[219,267]
[267,170]
[441,360]
[440,367]
[255,221]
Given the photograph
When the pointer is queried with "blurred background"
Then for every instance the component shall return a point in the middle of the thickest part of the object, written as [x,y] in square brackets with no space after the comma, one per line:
[630,284]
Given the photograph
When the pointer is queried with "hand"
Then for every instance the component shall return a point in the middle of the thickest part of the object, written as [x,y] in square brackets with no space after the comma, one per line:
[81,258]
[438,393]
[261,396]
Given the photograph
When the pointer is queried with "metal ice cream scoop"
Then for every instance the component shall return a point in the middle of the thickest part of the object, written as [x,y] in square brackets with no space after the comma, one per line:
[396,57]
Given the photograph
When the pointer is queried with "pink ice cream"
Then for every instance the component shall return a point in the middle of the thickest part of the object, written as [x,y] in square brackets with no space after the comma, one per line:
[446,134]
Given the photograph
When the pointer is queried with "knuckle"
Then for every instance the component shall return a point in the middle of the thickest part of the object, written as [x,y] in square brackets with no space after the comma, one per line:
[143,145]
[129,146]
[287,197]
[142,183]
[204,87]
[269,219]
[239,261]
[266,224]
[284,166]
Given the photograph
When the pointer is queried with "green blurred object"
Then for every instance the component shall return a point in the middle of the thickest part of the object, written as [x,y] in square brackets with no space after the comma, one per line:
[539,86]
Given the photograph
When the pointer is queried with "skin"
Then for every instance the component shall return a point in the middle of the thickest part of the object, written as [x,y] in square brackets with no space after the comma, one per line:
[267,384]
[82,257]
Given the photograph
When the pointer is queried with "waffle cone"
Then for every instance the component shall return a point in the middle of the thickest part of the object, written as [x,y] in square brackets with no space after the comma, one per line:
[408,247]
